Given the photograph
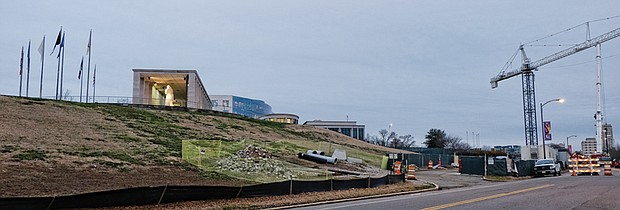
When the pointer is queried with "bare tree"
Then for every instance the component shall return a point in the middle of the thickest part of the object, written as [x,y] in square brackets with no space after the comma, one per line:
[383,137]
[464,146]
[614,152]
[390,139]
[452,142]
[404,141]
[66,94]
[455,142]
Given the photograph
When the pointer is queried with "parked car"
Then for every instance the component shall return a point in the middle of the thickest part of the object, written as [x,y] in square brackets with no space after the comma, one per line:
[547,166]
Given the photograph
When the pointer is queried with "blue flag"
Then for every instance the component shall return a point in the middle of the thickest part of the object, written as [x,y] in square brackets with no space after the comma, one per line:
[62,45]
[21,63]
[58,39]
[81,68]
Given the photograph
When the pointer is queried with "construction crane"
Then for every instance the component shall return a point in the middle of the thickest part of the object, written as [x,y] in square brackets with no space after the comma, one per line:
[527,71]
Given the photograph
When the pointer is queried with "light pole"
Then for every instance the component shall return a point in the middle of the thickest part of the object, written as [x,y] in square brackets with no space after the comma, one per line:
[542,122]
[568,137]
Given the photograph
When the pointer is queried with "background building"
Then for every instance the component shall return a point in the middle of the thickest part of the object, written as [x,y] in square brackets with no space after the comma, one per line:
[169,87]
[511,150]
[349,128]
[588,147]
[239,105]
[281,118]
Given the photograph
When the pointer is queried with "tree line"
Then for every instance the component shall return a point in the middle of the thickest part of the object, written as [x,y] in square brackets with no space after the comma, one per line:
[434,138]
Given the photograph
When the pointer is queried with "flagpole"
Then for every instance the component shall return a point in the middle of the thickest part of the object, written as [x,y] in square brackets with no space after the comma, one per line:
[94,77]
[42,64]
[21,69]
[57,75]
[58,39]
[28,72]
[88,71]
[62,63]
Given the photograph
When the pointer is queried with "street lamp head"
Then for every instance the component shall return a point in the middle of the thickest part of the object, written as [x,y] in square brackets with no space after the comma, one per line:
[561,100]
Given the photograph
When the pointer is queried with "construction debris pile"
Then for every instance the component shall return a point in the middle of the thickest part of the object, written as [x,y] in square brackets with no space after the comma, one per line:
[253,152]
[253,159]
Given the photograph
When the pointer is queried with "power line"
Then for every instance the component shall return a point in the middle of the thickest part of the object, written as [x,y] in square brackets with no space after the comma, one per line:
[571,28]
[581,63]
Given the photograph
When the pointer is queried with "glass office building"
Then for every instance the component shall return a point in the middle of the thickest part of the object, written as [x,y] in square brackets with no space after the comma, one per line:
[239,105]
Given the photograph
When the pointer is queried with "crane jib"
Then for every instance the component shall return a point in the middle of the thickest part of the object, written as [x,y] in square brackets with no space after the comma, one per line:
[557,56]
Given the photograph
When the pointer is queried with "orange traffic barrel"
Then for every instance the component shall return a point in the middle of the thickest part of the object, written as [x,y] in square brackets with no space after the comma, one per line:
[430,164]
[397,167]
[607,170]
[411,172]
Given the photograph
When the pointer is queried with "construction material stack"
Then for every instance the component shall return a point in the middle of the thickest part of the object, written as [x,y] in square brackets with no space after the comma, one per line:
[584,165]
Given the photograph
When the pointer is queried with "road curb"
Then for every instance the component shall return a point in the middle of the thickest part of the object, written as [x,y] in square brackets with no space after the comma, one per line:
[359,198]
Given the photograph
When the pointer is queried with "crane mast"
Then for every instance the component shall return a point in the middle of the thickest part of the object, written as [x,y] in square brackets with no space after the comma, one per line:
[526,70]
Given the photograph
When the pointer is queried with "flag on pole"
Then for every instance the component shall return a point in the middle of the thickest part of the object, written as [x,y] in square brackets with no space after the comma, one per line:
[21,70]
[81,68]
[42,48]
[42,51]
[21,62]
[58,40]
[28,51]
[94,75]
[28,70]
[89,39]
[62,45]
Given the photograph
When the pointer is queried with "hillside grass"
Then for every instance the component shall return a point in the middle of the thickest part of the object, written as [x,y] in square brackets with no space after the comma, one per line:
[125,138]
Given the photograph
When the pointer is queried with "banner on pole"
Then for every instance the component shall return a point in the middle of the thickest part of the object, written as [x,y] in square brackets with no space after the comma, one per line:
[547,129]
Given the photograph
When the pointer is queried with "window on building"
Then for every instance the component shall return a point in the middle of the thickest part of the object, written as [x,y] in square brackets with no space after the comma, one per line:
[361,133]
[354,133]
[214,102]
[333,129]
[346,131]
[226,103]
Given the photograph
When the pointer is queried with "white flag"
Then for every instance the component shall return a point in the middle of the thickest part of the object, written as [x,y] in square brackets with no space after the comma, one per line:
[90,35]
[42,48]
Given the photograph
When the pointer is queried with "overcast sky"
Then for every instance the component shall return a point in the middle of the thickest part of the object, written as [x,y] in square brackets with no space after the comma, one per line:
[414,64]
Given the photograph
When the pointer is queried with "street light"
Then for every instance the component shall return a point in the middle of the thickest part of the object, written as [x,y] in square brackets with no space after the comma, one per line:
[568,137]
[542,121]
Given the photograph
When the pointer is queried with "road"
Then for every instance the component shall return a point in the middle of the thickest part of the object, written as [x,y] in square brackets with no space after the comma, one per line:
[563,192]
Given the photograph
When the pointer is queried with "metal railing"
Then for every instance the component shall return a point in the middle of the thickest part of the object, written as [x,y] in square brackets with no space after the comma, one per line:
[129,100]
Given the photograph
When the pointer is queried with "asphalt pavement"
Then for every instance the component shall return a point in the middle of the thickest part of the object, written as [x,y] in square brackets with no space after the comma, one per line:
[562,192]
[450,178]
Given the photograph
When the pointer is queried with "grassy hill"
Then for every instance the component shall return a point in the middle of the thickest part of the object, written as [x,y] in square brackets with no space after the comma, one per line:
[56,148]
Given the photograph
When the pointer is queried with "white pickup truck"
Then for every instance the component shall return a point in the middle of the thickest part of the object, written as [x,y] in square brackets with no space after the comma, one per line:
[546,166]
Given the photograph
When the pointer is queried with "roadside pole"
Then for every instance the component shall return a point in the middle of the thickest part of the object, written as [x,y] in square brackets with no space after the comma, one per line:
[485,165]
